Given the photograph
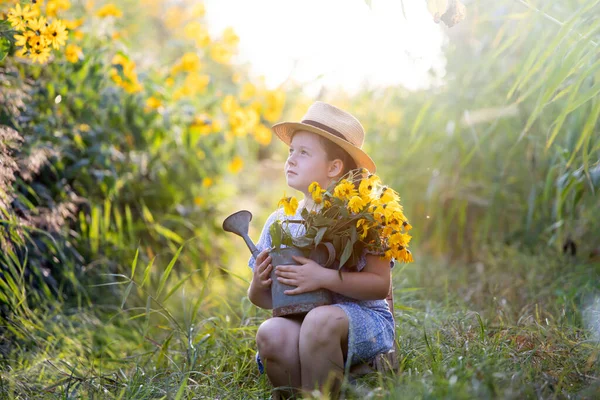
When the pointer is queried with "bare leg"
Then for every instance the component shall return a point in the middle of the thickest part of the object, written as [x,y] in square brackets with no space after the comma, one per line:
[277,340]
[323,346]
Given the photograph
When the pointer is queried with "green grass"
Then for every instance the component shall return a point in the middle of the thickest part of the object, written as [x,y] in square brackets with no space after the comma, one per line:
[510,326]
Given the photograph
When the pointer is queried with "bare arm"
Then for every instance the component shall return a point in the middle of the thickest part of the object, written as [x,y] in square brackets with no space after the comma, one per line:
[372,283]
[259,291]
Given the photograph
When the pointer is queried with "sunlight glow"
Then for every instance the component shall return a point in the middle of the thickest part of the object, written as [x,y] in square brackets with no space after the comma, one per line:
[333,43]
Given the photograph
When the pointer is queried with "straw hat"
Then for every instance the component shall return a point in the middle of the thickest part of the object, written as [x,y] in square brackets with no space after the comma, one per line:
[335,124]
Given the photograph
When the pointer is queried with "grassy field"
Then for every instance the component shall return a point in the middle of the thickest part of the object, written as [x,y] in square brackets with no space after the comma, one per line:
[512,325]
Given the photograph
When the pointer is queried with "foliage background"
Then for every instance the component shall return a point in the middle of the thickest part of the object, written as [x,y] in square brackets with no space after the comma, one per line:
[116,279]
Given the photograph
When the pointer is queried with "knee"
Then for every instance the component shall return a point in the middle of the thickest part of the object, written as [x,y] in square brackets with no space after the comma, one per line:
[323,325]
[273,338]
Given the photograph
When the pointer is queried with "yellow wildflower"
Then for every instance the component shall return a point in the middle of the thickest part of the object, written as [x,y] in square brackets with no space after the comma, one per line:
[407,226]
[248,91]
[38,25]
[230,38]
[388,195]
[72,24]
[40,55]
[56,34]
[199,201]
[365,189]
[262,135]
[153,103]
[197,32]
[229,104]
[364,225]
[356,204]
[73,53]
[207,182]
[198,11]
[236,165]
[314,187]
[18,16]
[53,7]
[289,204]
[109,10]
[220,54]
[275,100]
[344,190]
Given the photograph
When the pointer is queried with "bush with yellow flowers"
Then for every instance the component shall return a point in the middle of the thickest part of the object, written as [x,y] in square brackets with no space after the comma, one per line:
[356,213]
[32,29]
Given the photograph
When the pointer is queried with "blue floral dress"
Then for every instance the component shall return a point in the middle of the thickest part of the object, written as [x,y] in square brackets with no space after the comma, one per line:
[371,324]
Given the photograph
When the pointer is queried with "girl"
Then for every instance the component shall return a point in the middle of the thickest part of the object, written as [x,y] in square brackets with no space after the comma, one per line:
[304,353]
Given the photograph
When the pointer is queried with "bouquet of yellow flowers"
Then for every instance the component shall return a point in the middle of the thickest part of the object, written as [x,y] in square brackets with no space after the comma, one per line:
[356,212]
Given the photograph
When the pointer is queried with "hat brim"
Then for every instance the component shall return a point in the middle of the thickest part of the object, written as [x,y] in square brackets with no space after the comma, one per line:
[285,130]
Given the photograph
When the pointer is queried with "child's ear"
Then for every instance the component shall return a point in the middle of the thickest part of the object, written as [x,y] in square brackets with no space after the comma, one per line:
[335,168]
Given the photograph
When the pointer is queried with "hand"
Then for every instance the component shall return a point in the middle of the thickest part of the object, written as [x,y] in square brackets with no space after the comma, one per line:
[307,277]
[261,277]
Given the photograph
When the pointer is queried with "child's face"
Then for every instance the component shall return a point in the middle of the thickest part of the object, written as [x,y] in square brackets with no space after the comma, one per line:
[307,162]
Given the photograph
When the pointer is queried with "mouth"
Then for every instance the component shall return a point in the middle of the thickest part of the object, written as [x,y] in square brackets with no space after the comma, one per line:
[291,173]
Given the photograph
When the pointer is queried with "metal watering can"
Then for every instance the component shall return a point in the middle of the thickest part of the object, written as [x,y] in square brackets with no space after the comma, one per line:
[283,304]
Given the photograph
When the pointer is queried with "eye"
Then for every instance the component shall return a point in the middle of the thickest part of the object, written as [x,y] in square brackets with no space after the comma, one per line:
[304,152]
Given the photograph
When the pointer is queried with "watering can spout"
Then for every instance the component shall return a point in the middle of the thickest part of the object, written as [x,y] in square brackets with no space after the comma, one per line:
[239,223]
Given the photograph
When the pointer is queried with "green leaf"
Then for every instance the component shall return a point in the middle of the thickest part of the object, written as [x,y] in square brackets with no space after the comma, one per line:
[347,252]
[276,234]
[147,271]
[4,47]
[126,294]
[320,234]
[134,263]
[167,272]
[167,233]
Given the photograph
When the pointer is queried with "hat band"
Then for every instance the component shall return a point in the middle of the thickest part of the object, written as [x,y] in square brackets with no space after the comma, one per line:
[325,128]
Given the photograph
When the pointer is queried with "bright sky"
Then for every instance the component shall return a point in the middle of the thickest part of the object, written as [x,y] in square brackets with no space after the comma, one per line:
[333,42]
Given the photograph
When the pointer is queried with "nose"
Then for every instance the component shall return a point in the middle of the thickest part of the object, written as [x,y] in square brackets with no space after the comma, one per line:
[291,160]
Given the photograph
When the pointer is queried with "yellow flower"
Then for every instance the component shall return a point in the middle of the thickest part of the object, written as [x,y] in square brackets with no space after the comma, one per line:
[40,55]
[109,10]
[275,100]
[248,91]
[388,195]
[197,32]
[72,24]
[37,24]
[84,127]
[73,53]
[406,225]
[56,34]
[314,187]
[199,201]
[263,135]
[230,38]
[289,204]
[364,225]
[198,11]
[236,165]
[356,204]
[18,16]
[153,103]
[207,182]
[229,104]
[326,204]
[22,40]
[53,7]
[344,190]
[220,54]
[365,189]
[189,62]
